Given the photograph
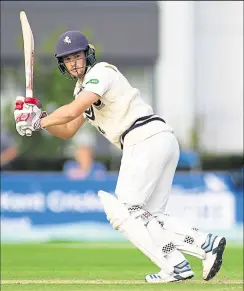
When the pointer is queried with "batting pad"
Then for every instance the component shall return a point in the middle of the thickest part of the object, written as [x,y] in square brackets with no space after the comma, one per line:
[133,229]
[186,239]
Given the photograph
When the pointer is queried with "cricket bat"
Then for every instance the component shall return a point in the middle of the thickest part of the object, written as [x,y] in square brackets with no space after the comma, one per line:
[29,57]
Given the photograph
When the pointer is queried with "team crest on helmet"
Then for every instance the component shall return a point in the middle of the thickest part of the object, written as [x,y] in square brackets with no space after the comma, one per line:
[67,40]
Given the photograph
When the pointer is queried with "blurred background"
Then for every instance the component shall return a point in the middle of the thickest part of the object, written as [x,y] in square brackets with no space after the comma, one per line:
[186,57]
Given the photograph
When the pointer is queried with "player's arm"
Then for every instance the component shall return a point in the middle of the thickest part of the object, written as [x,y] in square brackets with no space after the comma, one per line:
[71,111]
[95,87]
[68,130]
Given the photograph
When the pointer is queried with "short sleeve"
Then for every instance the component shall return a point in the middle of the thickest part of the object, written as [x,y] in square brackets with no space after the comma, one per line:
[99,80]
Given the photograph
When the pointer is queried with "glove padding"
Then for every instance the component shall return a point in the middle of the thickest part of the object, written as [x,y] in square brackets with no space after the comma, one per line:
[28,115]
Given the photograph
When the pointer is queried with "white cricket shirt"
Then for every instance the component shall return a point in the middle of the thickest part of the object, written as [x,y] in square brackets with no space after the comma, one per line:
[118,107]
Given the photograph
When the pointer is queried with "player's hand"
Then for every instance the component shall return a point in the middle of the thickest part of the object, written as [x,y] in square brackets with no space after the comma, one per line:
[28,118]
[27,114]
[19,109]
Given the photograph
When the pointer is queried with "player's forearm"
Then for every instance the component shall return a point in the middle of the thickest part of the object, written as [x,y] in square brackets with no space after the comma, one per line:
[60,131]
[66,131]
[71,111]
[60,116]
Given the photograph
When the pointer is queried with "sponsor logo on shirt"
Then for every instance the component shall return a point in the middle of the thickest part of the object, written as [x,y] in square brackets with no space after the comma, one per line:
[92,81]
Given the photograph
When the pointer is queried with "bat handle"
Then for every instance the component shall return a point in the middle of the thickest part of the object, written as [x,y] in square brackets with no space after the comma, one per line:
[28,132]
[29,93]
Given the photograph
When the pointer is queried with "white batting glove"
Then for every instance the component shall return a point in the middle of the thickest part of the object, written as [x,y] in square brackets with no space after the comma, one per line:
[20,108]
[27,115]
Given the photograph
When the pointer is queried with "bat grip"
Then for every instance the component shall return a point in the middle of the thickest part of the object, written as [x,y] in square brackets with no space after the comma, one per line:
[28,132]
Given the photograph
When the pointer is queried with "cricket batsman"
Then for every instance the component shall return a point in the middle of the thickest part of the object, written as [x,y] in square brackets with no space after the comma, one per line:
[105,98]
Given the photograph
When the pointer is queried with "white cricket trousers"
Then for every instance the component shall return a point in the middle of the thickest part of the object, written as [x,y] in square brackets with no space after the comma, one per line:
[146,172]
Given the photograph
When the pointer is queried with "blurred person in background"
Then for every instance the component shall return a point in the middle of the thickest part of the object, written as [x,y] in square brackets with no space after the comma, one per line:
[105,98]
[237,177]
[9,149]
[82,164]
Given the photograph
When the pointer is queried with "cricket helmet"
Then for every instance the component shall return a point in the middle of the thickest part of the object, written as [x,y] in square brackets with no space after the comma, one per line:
[71,42]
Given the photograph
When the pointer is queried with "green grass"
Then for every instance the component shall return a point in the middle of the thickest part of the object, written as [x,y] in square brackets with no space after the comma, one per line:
[102,267]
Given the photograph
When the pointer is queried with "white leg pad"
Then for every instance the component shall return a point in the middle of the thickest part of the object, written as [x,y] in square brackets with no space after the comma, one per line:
[183,236]
[163,240]
[133,229]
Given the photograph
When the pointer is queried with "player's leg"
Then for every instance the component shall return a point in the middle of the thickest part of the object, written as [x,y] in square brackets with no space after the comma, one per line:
[141,168]
[134,229]
[156,203]
[205,246]
[187,239]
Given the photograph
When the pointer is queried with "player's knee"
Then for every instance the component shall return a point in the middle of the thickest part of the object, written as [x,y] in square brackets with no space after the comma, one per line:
[138,212]
[135,211]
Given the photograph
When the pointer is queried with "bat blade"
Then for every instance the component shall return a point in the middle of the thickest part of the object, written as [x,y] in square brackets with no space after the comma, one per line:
[28,53]
[29,56]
